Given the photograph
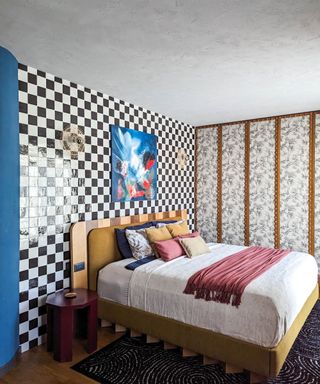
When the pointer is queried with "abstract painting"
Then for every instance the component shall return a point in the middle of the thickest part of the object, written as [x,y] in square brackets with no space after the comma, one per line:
[134,165]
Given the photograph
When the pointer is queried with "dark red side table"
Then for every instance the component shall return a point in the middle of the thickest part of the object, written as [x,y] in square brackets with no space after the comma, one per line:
[61,316]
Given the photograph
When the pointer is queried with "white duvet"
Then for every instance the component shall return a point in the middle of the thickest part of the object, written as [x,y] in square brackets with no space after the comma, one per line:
[269,304]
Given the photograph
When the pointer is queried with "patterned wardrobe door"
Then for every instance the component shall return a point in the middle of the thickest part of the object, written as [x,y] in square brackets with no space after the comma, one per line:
[233,162]
[207,151]
[294,177]
[317,192]
[262,162]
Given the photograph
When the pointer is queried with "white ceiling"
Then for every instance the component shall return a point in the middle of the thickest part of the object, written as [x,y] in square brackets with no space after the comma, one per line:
[199,61]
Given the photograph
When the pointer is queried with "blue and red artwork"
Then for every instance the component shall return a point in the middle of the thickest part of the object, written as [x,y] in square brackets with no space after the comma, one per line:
[134,165]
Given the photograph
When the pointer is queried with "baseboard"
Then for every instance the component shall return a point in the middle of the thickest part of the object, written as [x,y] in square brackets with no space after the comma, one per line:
[10,364]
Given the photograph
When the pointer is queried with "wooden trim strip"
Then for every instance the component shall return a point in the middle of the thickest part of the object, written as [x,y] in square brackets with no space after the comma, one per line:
[258,119]
[219,186]
[311,205]
[277,183]
[196,181]
[247,185]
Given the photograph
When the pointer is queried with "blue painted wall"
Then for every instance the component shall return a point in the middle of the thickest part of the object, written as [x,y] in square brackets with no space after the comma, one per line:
[9,207]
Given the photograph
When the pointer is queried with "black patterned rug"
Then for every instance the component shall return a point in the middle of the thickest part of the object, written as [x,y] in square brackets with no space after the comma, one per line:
[132,361]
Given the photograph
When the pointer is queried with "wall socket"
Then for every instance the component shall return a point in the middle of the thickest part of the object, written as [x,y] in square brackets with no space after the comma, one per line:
[79,266]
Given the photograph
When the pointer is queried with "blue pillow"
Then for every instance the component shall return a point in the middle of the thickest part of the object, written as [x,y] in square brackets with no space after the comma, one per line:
[122,242]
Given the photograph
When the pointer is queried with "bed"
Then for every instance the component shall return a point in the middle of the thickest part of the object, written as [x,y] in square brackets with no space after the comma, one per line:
[257,336]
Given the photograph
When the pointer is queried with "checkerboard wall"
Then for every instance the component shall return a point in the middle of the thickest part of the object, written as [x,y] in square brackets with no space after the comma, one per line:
[56,190]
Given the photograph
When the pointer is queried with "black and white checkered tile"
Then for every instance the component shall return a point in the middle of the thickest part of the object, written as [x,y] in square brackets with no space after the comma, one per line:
[57,190]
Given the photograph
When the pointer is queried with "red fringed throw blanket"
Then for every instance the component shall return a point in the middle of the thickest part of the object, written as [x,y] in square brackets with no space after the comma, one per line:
[225,280]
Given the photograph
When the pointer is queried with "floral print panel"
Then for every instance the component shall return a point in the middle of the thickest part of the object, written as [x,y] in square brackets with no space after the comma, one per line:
[317,193]
[262,161]
[233,184]
[207,183]
[294,178]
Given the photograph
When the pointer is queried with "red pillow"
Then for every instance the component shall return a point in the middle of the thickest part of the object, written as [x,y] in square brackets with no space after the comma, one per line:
[169,249]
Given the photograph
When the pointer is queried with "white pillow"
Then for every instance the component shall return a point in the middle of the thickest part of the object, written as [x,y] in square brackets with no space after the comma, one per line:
[159,225]
[139,244]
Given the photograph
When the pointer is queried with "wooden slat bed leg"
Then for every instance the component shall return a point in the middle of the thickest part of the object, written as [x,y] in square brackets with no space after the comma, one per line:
[169,346]
[119,328]
[232,368]
[207,361]
[151,339]
[188,353]
[105,323]
[134,333]
[257,379]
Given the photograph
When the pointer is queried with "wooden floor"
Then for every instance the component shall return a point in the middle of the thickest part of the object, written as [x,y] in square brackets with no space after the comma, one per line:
[37,365]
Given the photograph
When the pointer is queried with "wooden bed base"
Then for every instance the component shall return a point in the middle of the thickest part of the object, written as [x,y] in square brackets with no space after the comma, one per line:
[93,243]
[265,362]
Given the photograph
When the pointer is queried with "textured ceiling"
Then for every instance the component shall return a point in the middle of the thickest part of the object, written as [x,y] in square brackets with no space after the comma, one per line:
[199,61]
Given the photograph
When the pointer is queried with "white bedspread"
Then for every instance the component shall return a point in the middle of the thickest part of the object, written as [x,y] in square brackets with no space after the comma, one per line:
[113,281]
[269,304]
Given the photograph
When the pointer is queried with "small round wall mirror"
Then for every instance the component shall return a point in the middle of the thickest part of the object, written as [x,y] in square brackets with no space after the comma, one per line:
[182,158]
[73,140]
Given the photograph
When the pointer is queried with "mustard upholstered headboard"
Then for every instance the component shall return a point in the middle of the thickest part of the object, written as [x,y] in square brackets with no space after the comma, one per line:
[93,243]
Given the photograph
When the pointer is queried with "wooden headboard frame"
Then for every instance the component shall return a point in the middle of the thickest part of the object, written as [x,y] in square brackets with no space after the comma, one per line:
[79,241]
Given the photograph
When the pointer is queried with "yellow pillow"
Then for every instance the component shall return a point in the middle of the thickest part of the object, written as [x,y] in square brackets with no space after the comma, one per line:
[178,229]
[158,234]
[194,246]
